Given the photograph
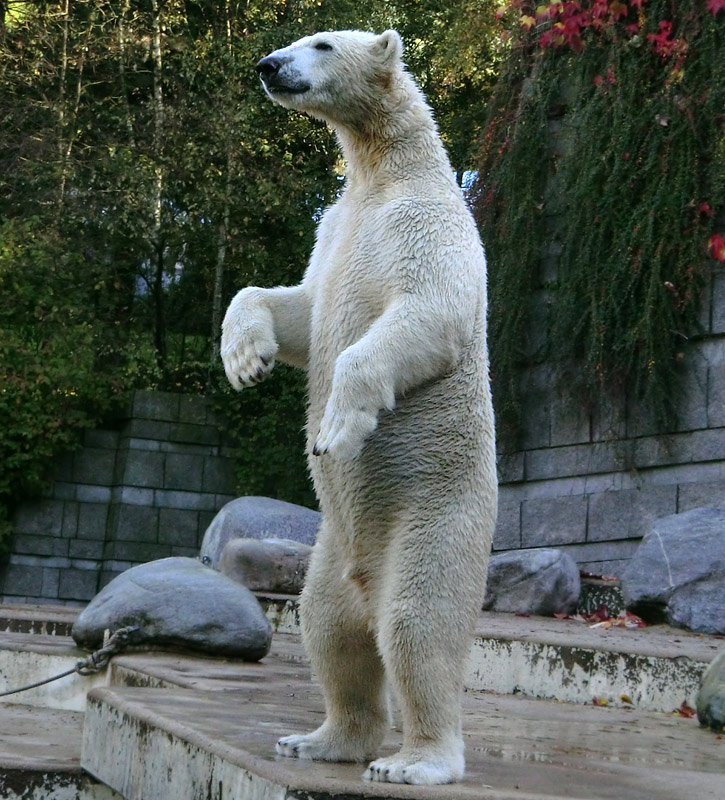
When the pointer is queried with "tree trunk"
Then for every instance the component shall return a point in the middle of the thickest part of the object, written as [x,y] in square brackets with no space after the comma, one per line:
[157,233]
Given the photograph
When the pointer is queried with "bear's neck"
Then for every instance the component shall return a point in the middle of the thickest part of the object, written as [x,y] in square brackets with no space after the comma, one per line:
[396,141]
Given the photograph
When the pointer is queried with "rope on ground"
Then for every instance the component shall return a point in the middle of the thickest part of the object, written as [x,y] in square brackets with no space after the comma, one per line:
[96,661]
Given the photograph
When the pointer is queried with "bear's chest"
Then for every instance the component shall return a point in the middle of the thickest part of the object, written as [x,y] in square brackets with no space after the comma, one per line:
[352,277]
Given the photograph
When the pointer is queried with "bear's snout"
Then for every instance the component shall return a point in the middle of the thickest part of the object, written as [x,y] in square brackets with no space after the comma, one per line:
[268,66]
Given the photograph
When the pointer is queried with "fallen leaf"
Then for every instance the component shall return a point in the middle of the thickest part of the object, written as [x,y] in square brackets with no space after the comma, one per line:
[600,701]
[625,698]
[685,711]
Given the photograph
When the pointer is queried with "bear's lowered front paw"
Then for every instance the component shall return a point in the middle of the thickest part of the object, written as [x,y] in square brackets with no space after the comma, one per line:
[343,433]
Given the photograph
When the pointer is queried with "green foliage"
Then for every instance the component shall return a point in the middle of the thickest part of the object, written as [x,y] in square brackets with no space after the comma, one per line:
[612,157]
[59,366]
[146,178]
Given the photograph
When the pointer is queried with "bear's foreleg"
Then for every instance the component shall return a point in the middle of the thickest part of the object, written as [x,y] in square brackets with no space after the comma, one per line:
[261,325]
[345,658]
[414,341]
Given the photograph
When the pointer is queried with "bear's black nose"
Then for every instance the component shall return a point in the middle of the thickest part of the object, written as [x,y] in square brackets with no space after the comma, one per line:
[268,66]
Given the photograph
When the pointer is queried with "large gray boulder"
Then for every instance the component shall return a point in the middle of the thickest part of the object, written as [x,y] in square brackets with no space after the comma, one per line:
[711,698]
[542,582]
[178,602]
[258,518]
[677,574]
[266,565]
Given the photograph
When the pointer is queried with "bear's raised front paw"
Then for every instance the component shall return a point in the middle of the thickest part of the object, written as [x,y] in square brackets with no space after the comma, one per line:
[342,434]
[414,769]
[248,361]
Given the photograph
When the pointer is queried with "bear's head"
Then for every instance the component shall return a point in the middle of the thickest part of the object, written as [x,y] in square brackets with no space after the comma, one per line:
[338,76]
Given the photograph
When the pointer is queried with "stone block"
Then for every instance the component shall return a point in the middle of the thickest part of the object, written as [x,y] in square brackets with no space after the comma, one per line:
[134,523]
[141,468]
[195,501]
[183,472]
[63,467]
[602,552]
[92,520]
[155,405]
[609,420]
[579,459]
[69,528]
[717,320]
[86,548]
[219,475]
[193,409]
[700,495]
[550,521]
[133,496]
[29,544]
[692,411]
[136,552]
[510,467]
[716,397]
[179,527]
[63,491]
[536,421]
[507,535]
[93,494]
[77,584]
[43,517]
[101,438]
[628,514]
[184,552]
[20,579]
[51,582]
[194,434]
[146,429]
[94,466]
[570,422]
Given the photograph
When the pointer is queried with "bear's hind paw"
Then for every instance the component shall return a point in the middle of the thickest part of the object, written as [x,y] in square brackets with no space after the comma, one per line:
[318,748]
[415,770]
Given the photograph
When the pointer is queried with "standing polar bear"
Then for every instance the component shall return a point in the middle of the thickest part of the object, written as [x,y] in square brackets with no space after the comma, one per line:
[390,324]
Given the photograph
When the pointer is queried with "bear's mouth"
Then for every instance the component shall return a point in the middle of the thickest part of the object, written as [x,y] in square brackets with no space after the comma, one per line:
[280,87]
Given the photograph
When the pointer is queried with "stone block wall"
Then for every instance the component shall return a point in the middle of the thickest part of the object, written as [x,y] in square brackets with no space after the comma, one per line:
[591,484]
[143,489]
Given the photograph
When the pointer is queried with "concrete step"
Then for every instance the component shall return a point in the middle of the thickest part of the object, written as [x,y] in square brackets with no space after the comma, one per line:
[203,728]
[40,752]
[655,668]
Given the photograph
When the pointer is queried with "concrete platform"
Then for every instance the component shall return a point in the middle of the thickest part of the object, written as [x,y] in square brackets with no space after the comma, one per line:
[183,727]
[215,738]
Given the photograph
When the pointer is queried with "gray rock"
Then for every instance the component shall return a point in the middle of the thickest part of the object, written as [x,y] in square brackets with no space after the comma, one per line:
[178,602]
[711,698]
[541,581]
[266,565]
[258,518]
[677,574]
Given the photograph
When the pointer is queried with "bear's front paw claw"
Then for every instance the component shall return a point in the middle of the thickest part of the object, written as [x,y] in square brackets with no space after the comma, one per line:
[342,435]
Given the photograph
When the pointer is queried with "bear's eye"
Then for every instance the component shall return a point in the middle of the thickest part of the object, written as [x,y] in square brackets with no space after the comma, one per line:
[323,46]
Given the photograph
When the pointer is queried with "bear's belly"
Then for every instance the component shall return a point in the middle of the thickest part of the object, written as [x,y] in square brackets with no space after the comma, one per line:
[435,448]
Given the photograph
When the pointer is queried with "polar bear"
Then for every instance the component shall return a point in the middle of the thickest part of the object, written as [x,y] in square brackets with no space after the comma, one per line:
[389,322]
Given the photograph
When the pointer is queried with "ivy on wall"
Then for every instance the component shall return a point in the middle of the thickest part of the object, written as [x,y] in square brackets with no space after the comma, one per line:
[604,153]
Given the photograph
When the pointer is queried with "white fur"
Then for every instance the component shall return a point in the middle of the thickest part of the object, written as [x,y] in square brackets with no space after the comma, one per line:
[390,324]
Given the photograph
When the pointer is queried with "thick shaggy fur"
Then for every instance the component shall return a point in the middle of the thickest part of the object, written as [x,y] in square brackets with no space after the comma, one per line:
[390,324]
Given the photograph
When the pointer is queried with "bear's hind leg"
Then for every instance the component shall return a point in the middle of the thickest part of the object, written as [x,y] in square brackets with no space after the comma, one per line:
[428,611]
[344,656]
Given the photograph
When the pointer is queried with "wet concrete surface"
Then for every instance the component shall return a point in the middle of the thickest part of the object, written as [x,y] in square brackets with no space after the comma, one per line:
[515,747]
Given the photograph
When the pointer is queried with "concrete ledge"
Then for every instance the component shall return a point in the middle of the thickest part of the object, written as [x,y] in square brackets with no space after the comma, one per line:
[172,743]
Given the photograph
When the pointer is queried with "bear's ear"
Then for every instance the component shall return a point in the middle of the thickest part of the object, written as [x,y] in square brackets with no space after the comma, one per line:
[390,46]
